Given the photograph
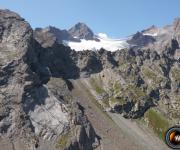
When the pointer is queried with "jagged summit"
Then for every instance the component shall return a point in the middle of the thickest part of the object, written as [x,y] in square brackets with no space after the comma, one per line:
[81,31]
[6,13]
[152,31]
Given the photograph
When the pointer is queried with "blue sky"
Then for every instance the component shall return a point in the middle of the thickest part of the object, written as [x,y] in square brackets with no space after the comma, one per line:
[117,18]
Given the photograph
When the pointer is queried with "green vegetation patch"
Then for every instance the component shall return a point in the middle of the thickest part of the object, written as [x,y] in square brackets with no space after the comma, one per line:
[176,74]
[116,88]
[118,100]
[150,74]
[157,122]
[123,67]
[131,91]
[63,141]
[96,86]
[135,93]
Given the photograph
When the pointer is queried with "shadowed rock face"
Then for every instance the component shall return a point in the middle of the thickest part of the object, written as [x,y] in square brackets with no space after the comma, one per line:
[141,40]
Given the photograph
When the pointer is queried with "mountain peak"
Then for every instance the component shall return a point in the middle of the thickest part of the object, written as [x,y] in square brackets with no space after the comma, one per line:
[80,25]
[52,28]
[176,23]
[81,31]
[152,31]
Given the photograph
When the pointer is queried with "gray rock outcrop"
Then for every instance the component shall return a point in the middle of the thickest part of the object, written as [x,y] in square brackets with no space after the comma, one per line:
[31,110]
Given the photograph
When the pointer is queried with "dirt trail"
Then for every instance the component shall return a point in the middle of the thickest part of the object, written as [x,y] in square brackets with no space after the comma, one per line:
[138,133]
[116,132]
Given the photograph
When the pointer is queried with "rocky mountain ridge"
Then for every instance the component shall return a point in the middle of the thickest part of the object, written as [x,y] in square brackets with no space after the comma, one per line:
[36,76]
[76,33]
[152,37]
[156,38]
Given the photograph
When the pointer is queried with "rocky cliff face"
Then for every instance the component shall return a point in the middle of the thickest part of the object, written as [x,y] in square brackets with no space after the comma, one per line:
[32,108]
[136,79]
[130,82]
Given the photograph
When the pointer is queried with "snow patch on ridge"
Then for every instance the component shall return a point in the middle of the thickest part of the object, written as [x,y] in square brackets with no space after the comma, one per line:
[151,34]
[104,42]
[102,35]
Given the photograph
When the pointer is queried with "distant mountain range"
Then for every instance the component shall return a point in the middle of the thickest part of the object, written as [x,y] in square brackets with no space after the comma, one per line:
[81,37]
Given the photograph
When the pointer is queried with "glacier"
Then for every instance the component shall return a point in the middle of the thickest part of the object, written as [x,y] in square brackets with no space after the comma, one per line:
[110,44]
